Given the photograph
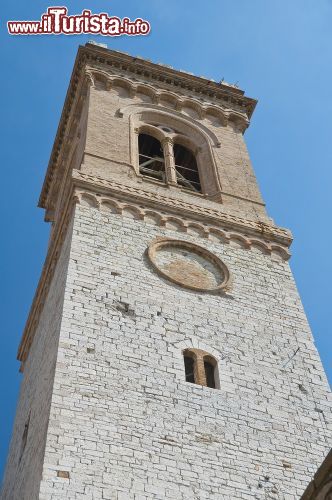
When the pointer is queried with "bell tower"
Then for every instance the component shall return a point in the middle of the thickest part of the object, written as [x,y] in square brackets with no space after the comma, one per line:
[166,354]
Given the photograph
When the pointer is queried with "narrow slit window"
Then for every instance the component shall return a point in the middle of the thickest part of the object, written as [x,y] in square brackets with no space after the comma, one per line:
[209,374]
[24,437]
[151,157]
[186,168]
[189,366]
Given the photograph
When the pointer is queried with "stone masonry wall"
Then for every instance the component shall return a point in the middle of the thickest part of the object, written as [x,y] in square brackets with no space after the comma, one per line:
[22,476]
[124,423]
[108,156]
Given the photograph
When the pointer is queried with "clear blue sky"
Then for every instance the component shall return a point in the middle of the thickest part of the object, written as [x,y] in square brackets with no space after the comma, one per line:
[280,52]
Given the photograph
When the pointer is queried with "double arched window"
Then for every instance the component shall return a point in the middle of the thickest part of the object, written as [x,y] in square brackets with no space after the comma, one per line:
[168,161]
[201,368]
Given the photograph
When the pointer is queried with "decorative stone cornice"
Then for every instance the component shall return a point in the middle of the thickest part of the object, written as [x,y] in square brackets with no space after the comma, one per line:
[183,210]
[147,70]
[168,78]
[166,98]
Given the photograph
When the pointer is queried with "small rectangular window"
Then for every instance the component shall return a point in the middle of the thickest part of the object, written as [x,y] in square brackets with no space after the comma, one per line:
[189,369]
[209,374]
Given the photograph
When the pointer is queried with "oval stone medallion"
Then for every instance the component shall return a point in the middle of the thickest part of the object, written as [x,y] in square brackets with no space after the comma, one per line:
[188,265]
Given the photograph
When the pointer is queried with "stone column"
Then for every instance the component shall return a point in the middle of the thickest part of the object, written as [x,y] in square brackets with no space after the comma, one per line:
[167,145]
[200,377]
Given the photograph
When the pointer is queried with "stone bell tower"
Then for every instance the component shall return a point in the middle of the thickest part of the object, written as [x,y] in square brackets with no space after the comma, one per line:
[166,354]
